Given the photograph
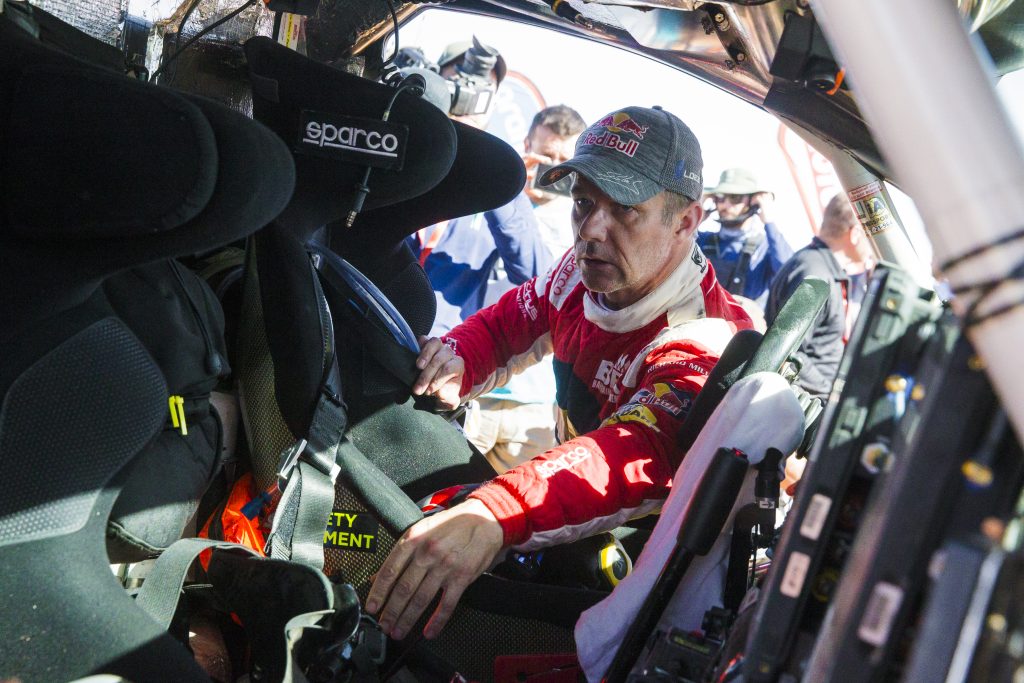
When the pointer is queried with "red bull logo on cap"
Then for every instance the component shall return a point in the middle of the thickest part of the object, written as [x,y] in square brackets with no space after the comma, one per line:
[617,127]
[621,122]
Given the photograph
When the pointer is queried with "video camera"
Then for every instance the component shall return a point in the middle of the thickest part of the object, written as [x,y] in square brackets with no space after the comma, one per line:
[470,88]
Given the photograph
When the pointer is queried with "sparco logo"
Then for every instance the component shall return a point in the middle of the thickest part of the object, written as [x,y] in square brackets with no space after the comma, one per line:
[369,141]
[349,137]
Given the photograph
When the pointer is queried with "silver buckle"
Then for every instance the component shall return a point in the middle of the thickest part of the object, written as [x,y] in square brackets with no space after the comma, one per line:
[287,462]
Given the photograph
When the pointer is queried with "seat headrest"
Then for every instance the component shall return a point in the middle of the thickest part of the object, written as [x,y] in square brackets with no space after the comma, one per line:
[100,172]
[332,122]
[487,173]
[103,164]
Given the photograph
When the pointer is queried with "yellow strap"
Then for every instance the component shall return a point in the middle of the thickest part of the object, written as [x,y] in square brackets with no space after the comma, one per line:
[172,404]
[177,408]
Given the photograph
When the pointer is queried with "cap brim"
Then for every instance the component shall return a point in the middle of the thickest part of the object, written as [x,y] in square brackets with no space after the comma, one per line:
[621,183]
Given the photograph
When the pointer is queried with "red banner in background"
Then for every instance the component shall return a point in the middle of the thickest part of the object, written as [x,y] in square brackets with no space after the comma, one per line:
[812,173]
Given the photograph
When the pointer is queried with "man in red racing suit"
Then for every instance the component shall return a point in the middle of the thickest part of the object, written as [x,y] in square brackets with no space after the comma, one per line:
[635,319]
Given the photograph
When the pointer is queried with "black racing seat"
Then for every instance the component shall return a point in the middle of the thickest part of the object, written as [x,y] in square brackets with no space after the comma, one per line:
[400,449]
[300,332]
[80,394]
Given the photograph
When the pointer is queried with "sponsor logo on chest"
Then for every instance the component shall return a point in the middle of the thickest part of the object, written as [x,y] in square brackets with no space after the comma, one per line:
[608,378]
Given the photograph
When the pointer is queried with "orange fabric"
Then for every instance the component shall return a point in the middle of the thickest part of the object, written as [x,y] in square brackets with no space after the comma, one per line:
[427,244]
[237,528]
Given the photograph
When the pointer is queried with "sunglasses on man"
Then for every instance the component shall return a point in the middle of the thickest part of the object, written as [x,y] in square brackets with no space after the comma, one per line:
[729,198]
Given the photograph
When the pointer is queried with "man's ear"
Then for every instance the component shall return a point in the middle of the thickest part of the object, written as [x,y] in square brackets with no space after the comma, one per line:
[856,234]
[688,220]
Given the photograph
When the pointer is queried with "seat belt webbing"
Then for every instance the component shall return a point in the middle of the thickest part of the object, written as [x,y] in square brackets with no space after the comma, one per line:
[310,470]
[162,588]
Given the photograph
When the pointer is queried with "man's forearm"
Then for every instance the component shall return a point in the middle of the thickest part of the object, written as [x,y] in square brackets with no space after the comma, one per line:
[517,236]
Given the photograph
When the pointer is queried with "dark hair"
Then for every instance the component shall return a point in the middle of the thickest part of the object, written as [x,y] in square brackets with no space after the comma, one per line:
[562,120]
[674,203]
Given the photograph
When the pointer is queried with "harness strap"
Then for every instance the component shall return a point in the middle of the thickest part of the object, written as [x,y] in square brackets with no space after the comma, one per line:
[307,473]
[162,588]
[307,470]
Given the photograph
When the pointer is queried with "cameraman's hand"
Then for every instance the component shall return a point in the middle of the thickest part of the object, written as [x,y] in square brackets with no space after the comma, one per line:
[766,202]
[531,161]
[444,552]
[441,372]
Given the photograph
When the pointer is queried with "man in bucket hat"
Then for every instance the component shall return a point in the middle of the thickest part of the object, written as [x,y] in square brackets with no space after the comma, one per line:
[635,319]
[748,249]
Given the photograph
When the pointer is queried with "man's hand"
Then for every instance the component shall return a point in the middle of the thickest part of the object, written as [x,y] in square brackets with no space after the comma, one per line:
[444,552]
[531,160]
[440,372]
[765,200]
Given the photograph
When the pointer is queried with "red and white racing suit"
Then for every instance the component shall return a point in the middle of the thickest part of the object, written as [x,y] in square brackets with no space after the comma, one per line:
[625,381]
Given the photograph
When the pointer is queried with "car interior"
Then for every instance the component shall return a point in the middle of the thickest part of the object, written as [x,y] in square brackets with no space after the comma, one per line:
[209,324]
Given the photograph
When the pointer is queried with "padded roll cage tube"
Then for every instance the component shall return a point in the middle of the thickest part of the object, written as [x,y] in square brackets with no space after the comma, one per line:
[790,327]
[965,179]
[705,518]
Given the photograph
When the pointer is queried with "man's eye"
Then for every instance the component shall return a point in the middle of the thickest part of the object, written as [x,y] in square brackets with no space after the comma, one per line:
[625,208]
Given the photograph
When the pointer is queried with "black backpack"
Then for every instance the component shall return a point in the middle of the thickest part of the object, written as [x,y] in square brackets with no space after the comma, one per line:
[179,321]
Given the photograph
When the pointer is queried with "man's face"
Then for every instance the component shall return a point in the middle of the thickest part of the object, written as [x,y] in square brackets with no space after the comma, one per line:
[624,252]
[547,143]
[731,206]
[554,148]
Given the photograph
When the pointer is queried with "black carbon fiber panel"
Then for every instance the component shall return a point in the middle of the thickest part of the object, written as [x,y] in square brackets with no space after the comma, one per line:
[472,639]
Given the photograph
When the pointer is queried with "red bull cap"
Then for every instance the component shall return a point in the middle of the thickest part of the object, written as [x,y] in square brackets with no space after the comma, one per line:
[635,153]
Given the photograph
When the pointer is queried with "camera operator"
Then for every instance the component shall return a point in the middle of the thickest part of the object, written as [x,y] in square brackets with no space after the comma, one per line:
[461,256]
[474,72]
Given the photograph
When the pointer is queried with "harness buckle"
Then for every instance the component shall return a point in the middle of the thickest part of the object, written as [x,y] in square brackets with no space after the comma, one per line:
[287,462]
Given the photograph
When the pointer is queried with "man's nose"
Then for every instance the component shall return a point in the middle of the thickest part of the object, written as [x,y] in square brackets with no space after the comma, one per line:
[594,226]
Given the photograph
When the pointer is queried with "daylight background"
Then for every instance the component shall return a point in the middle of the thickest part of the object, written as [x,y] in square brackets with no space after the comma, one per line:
[596,79]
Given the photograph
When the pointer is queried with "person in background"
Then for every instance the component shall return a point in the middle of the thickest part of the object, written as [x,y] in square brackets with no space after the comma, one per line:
[635,319]
[460,255]
[515,422]
[859,271]
[839,243]
[549,142]
[748,249]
